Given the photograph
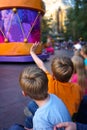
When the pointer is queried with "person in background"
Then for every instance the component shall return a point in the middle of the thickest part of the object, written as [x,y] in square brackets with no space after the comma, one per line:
[77,49]
[81,115]
[79,76]
[84,54]
[49,45]
[51,110]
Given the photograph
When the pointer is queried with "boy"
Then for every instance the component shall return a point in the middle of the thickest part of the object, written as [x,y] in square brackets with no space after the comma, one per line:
[62,69]
[52,110]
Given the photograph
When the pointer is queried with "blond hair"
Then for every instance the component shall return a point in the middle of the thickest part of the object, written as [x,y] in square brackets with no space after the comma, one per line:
[62,68]
[84,51]
[79,68]
[34,83]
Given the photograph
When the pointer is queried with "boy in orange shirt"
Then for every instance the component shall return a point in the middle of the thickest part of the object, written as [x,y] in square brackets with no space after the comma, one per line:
[62,69]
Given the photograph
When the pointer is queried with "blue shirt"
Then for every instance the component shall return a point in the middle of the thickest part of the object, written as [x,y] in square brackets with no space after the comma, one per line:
[50,114]
[85,62]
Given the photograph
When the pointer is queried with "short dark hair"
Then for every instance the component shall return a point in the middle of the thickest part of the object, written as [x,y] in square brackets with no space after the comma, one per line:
[62,68]
[34,83]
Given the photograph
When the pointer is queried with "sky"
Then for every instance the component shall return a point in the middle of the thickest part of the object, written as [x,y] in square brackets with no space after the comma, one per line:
[52,5]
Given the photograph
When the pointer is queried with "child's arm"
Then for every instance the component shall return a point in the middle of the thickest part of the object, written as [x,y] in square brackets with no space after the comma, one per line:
[37,60]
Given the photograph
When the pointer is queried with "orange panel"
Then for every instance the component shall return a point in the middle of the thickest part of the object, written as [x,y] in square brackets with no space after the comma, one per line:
[32,4]
[15,48]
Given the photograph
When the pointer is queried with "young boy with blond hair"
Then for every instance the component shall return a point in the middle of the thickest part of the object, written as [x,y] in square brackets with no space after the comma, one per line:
[51,110]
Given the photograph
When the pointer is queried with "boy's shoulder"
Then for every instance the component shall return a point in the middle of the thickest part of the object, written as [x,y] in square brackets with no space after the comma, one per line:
[72,86]
[75,85]
[62,84]
[76,88]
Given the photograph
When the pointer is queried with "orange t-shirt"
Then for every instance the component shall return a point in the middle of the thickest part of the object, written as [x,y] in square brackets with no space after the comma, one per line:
[70,93]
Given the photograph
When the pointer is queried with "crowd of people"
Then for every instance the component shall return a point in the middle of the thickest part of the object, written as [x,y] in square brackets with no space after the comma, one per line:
[51,44]
[58,99]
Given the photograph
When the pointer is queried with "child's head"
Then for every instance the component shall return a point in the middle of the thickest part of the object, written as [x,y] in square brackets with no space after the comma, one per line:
[79,69]
[78,63]
[77,47]
[62,68]
[84,51]
[34,83]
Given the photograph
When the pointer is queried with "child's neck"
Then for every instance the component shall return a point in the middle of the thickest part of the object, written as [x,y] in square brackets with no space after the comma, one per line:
[40,103]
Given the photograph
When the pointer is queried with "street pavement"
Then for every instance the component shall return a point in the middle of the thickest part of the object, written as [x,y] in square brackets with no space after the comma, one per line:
[12,102]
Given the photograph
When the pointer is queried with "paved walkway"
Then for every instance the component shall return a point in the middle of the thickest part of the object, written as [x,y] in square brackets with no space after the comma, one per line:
[12,102]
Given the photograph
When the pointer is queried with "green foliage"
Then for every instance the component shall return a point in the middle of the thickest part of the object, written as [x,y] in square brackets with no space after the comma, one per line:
[77,20]
[45,28]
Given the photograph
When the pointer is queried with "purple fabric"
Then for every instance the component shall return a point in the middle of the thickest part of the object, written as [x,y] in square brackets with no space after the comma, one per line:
[21,58]
[15,34]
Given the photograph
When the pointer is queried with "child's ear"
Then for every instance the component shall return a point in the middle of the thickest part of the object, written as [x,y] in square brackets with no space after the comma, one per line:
[24,94]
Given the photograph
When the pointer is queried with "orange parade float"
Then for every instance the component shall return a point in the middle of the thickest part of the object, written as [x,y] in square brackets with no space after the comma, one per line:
[19,29]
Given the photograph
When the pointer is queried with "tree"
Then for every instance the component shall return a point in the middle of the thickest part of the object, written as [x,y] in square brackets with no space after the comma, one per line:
[77,20]
[45,28]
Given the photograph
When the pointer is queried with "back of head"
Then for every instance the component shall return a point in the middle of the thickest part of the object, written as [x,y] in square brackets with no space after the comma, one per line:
[77,46]
[34,83]
[79,69]
[84,50]
[77,53]
[77,49]
[78,63]
[62,68]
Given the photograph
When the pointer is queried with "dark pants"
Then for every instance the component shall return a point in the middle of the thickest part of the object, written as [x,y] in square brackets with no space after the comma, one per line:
[82,112]
[16,127]
[32,106]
